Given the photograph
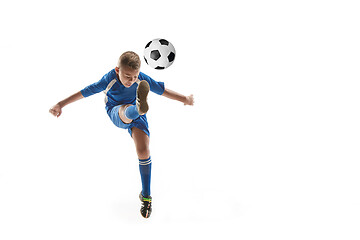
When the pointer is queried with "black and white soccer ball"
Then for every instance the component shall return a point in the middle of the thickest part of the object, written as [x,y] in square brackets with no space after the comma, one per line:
[159,53]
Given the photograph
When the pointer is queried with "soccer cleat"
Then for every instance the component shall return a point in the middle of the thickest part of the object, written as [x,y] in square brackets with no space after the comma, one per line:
[146,208]
[141,97]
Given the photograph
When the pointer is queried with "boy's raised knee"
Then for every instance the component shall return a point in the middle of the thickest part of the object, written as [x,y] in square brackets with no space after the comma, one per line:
[122,115]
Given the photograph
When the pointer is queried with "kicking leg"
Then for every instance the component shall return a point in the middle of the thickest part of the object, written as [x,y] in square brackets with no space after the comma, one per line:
[130,112]
[122,113]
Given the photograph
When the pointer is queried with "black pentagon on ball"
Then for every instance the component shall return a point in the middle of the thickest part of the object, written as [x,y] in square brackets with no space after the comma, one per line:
[155,54]
[147,45]
[159,68]
[171,57]
[164,42]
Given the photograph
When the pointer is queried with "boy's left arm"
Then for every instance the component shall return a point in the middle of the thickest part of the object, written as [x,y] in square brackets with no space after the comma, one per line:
[187,100]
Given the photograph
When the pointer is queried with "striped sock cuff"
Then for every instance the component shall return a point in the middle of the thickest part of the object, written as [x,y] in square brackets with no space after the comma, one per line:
[144,162]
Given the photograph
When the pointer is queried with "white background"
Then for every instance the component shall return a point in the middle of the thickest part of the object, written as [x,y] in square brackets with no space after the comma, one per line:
[269,151]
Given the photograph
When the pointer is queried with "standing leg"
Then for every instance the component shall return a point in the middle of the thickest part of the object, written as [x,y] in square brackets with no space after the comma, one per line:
[142,149]
[142,140]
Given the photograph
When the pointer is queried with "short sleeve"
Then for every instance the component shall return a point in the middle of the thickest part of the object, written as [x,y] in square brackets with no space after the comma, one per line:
[155,87]
[98,86]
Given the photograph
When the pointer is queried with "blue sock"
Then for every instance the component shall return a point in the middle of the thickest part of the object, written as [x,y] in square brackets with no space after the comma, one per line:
[145,172]
[131,112]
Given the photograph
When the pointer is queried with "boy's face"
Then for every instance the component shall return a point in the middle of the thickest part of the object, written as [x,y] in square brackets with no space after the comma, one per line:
[127,75]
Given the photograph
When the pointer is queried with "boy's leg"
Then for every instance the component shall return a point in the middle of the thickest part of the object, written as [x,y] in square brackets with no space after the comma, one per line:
[130,112]
[122,113]
[141,141]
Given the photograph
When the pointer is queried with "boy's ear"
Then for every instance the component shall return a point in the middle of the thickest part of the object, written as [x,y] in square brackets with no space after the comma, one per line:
[117,70]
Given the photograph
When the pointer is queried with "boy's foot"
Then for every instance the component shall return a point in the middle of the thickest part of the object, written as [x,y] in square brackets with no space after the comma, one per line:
[141,97]
[146,208]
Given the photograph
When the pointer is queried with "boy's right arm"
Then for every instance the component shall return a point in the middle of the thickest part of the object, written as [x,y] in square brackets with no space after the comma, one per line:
[86,92]
[56,110]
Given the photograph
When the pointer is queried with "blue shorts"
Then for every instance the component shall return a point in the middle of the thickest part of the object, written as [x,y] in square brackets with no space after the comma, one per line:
[140,123]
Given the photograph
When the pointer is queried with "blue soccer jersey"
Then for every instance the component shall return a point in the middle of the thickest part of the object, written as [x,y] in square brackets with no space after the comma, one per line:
[117,94]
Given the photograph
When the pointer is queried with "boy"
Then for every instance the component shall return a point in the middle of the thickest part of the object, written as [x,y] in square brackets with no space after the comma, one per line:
[126,90]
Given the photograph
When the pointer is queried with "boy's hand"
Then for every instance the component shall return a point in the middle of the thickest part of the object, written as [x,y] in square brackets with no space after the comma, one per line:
[56,110]
[189,100]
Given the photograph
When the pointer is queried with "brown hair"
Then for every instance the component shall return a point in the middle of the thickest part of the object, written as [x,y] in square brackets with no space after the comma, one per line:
[129,59]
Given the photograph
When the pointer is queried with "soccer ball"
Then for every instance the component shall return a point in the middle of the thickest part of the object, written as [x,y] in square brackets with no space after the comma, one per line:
[159,53]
